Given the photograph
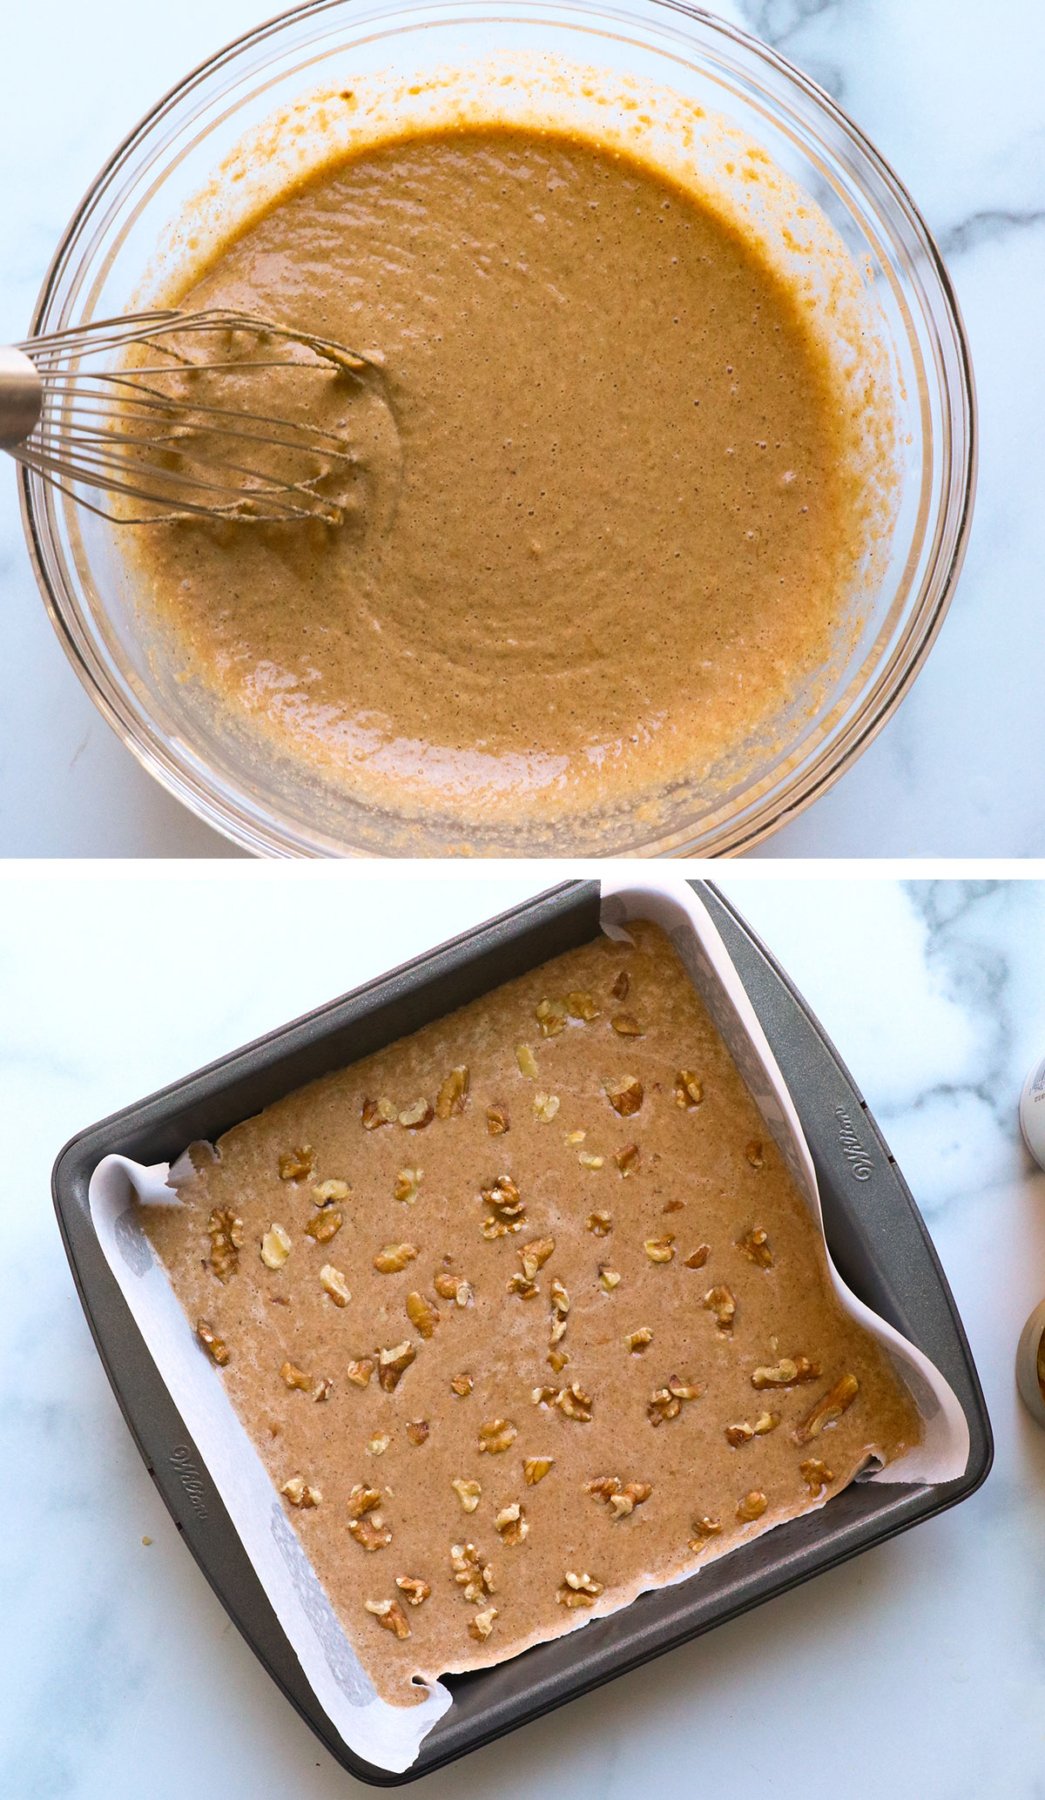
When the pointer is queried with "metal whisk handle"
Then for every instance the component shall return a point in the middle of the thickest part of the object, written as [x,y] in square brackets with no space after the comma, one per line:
[21,396]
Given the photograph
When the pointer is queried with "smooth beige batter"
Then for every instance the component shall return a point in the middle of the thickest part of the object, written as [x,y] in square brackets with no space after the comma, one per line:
[672,1217]
[624,528]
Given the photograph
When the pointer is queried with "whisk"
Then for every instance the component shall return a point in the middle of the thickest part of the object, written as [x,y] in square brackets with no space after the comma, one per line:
[144,410]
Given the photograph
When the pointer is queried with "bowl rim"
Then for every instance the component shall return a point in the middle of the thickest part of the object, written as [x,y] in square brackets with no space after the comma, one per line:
[231,813]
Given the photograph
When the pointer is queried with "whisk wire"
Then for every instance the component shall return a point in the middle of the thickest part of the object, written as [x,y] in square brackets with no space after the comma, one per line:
[283,508]
[122,430]
[299,437]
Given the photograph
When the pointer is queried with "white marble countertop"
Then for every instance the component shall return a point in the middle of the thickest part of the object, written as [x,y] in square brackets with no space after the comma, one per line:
[918,1670]
[953,97]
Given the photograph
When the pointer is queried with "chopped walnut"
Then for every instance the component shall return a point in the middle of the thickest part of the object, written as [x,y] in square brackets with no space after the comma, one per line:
[300,1493]
[503,1196]
[589,1161]
[560,1299]
[325,1225]
[413,1589]
[389,1614]
[360,1371]
[573,1138]
[535,1468]
[704,1529]
[406,1185]
[330,1190]
[297,1165]
[625,1094]
[417,1115]
[627,1158]
[534,1255]
[275,1247]
[790,1371]
[496,1120]
[720,1301]
[481,1625]
[362,1500]
[600,1223]
[453,1094]
[394,1258]
[638,1341]
[754,1154]
[461,1385]
[619,990]
[507,1212]
[323,1389]
[468,1492]
[557,1360]
[582,1006]
[608,1278]
[755,1245]
[293,1377]
[494,1227]
[545,1107]
[378,1112]
[666,1403]
[743,1433]
[496,1436]
[574,1403]
[660,1250]
[453,1287]
[816,1475]
[549,1018]
[527,1062]
[225,1231]
[698,1257]
[215,1346]
[626,1025]
[621,1497]
[392,1365]
[472,1575]
[417,1431]
[689,1089]
[511,1524]
[579,1590]
[828,1409]
[370,1533]
[423,1316]
[518,1284]
[378,1445]
[631,1495]
[333,1282]
[752,1506]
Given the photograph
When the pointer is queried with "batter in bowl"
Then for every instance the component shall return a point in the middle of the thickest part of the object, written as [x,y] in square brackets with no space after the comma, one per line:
[620,532]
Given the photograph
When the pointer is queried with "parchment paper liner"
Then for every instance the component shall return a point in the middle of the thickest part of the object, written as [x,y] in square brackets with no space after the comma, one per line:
[386,1735]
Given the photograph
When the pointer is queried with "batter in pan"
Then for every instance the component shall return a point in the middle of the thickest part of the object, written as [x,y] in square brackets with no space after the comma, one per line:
[524,1314]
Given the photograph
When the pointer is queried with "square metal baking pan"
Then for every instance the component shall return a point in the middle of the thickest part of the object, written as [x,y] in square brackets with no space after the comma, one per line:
[873,1228]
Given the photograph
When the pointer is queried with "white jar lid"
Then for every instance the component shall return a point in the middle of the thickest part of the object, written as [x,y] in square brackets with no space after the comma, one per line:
[1032,1112]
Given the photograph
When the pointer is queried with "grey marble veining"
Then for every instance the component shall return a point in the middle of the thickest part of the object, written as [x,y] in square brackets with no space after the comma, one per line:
[952,96]
[918,1670]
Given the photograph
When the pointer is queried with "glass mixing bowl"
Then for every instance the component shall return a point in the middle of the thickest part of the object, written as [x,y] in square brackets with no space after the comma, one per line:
[268,805]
